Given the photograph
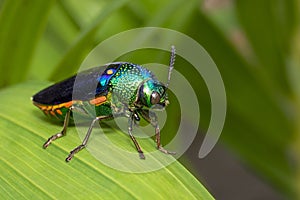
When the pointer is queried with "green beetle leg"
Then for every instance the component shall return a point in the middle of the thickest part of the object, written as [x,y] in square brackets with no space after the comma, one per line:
[64,130]
[86,138]
[151,117]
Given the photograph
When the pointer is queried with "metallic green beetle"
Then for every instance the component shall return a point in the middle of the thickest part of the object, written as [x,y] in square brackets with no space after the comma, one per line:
[116,89]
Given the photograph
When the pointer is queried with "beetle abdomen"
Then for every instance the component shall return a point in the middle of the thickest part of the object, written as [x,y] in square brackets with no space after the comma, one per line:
[57,111]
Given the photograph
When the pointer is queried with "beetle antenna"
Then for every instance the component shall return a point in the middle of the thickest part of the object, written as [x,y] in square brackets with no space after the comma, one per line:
[172,62]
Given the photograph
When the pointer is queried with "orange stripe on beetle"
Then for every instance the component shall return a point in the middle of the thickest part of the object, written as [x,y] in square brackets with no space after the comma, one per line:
[59,112]
[55,107]
[52,113]
[44,107]
[97,101]
[67,104]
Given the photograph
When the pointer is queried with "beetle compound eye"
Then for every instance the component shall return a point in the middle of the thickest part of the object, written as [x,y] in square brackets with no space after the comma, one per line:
[155,98]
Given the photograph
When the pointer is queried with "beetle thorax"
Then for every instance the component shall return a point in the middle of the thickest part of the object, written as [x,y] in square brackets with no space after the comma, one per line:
[126,81]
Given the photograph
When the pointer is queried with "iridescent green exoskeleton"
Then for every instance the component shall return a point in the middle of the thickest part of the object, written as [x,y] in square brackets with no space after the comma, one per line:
[118,89]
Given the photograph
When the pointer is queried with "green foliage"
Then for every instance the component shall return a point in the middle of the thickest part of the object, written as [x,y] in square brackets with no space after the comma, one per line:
[272,44]
[29,171]
[257,125]
[79,49]
[20,33]
[47,40]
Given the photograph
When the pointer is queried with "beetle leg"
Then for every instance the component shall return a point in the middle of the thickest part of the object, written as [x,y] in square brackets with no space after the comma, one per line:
[137,146]
[136,118]
[86,138]
[151,117]
[159,147]
[63,131]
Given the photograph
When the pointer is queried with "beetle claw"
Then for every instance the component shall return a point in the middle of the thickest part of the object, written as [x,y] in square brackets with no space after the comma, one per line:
[69,158]
[52,138]
[72,153]
[47,143]
[142,156]
[160,148]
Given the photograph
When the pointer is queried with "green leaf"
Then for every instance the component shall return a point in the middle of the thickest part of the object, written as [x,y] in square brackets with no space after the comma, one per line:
[30,172]
[20,32]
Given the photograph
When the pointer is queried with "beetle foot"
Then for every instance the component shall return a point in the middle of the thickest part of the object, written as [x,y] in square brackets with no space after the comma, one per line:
[166,151]
[47,143]
[141,154]
[72,153]
[51,139]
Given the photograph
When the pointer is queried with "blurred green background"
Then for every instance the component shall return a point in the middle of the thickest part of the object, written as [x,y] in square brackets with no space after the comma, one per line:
[255,44]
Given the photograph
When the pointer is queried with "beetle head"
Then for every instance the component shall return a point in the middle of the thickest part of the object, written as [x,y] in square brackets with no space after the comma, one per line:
[152,93]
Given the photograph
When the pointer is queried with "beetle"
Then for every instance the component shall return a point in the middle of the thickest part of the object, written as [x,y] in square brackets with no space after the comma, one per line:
[118,89]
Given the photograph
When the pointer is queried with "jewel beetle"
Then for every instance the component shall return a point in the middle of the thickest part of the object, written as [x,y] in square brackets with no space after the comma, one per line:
[119,89]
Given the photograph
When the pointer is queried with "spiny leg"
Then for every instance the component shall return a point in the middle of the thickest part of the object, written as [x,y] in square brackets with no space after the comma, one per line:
[151,117]
[137,146]
[86,138]
[63,131]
